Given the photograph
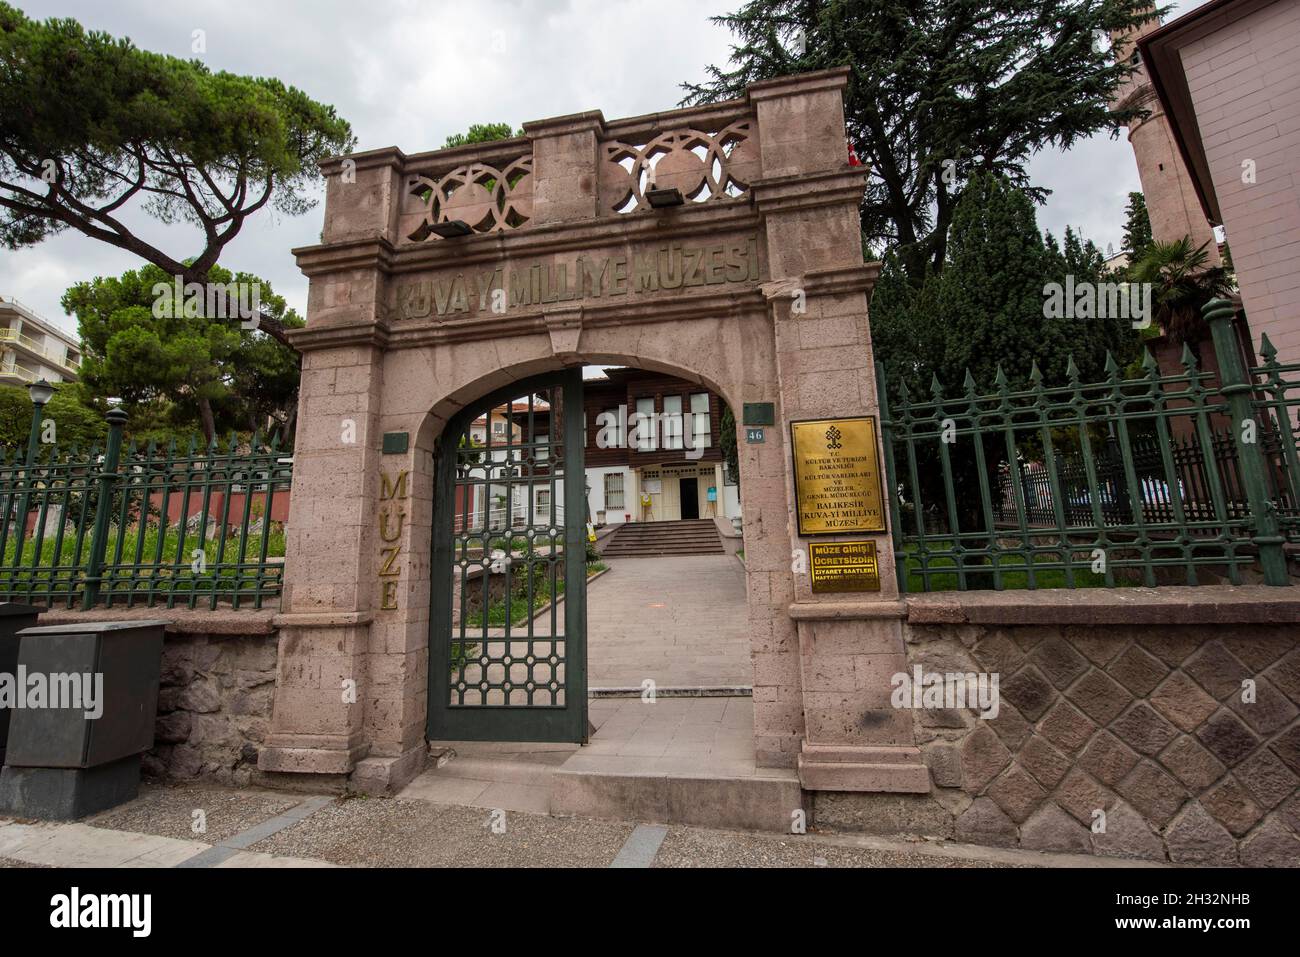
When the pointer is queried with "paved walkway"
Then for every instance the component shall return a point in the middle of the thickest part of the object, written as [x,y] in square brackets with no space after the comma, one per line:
[681,621]
[267,829]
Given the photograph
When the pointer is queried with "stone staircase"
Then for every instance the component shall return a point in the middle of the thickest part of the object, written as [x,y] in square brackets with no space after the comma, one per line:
[651,539]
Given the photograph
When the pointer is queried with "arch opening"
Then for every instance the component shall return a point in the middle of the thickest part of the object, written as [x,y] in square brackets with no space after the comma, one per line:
[663,602]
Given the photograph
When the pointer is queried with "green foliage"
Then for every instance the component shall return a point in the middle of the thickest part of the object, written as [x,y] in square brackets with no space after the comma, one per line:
[985,309]
[179,374]
[75,423]
[482,133]
[75,553]
[991,297]
[1182,285]
[94,126]
[1137,227]
[727,440]
[938,91]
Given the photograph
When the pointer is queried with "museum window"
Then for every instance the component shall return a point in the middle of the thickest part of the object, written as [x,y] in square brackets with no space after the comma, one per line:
[613,490]
[701,428]
[645,425]
[609,430]
[672,422]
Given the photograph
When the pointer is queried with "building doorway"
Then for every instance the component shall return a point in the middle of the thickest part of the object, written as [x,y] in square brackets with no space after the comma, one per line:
[690,495]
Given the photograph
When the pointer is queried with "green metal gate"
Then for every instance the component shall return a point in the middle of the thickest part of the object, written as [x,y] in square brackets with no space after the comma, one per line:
[508,640]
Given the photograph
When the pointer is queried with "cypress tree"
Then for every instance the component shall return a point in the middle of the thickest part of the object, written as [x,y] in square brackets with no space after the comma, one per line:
[1137,227]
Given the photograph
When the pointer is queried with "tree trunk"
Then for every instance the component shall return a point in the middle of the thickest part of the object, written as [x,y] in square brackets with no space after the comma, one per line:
[209,423]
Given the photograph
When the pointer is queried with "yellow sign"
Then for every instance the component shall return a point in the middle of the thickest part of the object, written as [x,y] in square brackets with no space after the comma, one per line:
[843,566]
[837,476]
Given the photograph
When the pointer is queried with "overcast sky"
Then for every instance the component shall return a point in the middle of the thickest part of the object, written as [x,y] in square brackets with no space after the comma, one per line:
[411,72]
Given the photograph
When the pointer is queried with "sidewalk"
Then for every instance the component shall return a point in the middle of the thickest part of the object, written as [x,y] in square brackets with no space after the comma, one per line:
[680,621]
[253,828]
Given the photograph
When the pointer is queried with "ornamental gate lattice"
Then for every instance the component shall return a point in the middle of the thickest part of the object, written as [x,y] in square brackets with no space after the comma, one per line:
[509,618]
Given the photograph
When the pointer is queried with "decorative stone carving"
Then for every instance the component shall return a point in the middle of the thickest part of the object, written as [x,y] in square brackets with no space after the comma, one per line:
[485,198]
[704,166]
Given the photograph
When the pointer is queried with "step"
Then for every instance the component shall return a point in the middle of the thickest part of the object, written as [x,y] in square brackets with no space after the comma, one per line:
[669,537]
[675,553]
[661,545]
[764,801]
[668,545]
[664,541]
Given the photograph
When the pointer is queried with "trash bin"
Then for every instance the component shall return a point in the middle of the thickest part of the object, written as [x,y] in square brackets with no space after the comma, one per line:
[86,714]
[13,618]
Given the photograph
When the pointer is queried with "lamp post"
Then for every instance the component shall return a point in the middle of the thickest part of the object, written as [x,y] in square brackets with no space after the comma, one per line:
[41,393]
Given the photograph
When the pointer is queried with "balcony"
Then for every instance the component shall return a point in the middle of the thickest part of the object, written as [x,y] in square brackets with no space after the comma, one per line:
[14,370]
[15,338]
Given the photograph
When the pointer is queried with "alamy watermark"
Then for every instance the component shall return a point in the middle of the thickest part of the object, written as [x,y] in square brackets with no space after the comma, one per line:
[935,691]
[74,910]
[1098,300]
[654,431]
[215,300]
[33,690]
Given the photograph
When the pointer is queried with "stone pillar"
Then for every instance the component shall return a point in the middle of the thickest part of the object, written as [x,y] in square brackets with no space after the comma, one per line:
[320,721]
[848,646]
[566,180]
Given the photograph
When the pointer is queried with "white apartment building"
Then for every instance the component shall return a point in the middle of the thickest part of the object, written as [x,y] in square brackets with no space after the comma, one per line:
[32,348]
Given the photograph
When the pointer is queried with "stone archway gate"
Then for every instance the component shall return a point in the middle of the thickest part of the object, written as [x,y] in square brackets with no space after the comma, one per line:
[754,287]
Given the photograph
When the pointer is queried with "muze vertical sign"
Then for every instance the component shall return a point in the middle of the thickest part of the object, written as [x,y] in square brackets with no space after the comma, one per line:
[837,476]
[392,516]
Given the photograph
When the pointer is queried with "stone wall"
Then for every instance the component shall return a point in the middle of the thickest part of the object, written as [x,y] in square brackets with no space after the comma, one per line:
[216,688]
[214,706]
[1144,722]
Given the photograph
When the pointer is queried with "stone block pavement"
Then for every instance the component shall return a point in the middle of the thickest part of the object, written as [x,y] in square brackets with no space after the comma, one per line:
[681,621]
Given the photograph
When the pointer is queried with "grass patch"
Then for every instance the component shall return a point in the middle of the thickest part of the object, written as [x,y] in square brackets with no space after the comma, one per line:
[65,562]
[516,605]
[1012,579]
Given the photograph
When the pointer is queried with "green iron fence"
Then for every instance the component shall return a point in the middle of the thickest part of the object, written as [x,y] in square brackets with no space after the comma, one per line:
[1158,479]
[130,525]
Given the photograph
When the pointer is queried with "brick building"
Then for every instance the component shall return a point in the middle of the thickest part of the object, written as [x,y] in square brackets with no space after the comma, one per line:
[1227,81]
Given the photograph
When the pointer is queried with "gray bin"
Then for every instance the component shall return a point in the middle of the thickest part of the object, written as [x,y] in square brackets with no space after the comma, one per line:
[13,618]
[61,764]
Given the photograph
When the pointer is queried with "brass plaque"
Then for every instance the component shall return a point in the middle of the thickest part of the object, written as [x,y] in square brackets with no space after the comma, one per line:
[837,476]
[843,566]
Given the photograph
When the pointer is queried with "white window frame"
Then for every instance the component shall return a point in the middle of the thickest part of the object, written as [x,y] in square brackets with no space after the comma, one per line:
[701,421]
[612,493]
[645,426]
[672,422]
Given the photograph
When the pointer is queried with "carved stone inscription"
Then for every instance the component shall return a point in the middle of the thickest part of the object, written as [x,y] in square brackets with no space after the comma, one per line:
[668,267]
[392,516]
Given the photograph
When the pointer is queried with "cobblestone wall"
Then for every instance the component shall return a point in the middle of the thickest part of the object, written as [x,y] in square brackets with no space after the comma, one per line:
[1148,724]
[214,706]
